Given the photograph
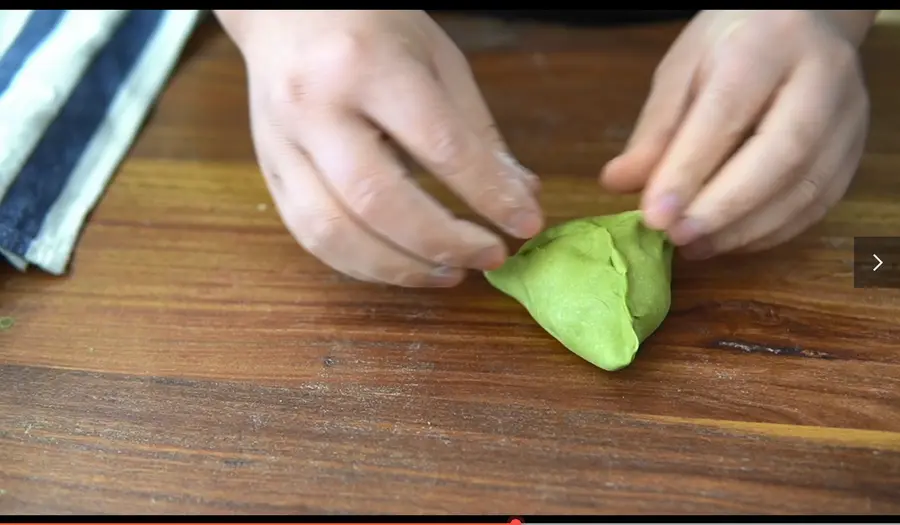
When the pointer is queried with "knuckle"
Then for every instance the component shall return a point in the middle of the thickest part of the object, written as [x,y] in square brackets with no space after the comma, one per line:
[495,204]
[290,91]
[318,231]
[807,191]
[441,256]
[754,38]
[450,149]
[737,44]
[339,63]
[346,51]
[367,195]
[724,97]
[796,145]
[731,76]
[718,215]
[503,189]
[786,23]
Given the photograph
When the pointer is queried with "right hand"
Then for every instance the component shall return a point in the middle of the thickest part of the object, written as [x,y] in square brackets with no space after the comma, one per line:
[325,88]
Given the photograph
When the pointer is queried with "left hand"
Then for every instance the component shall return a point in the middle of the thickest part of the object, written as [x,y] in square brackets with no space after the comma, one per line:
[753,129]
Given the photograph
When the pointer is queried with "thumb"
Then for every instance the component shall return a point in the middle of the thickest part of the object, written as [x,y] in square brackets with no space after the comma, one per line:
[657,124]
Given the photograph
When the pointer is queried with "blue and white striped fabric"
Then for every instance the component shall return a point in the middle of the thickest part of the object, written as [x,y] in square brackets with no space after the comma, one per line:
[75,87]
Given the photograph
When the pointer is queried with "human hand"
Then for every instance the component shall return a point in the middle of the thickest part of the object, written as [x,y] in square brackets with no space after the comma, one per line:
[326,89]
[754,127]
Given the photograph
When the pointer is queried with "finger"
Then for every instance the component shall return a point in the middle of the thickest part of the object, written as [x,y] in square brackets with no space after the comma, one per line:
[787,214]
[791,212]
[366,178]
[670,94]
[322,227]
[793,131]
[816,211]
[461,87]
[801,221]
[414,109]
[728,104]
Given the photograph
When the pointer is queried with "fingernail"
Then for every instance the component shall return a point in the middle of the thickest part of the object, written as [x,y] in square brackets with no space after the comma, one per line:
[698,251]
[489,259]
[686,231]
[526,224]
[445,277]
[662,211]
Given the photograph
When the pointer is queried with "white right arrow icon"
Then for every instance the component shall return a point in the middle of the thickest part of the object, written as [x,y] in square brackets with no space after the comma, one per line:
[877,266]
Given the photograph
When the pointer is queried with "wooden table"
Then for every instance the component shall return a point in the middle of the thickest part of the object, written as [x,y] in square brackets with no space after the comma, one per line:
[196,360]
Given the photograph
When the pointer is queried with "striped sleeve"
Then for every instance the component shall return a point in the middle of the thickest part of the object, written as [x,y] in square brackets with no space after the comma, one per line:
[75,87]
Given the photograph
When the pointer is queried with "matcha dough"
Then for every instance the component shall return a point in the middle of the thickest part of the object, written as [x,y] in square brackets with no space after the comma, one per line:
[599,285]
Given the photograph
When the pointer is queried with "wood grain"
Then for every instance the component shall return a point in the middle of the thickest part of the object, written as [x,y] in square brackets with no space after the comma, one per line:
[196,360]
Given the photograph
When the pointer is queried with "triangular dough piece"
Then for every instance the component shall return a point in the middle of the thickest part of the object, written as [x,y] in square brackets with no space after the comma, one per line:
[599,285]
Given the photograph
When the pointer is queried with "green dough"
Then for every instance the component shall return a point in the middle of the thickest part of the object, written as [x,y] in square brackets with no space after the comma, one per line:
[599,285]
